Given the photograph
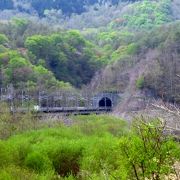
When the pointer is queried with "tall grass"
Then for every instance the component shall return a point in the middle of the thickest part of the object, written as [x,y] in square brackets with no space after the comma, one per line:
[90,148]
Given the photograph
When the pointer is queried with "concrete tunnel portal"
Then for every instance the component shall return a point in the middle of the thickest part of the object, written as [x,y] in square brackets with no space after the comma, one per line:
[105,102]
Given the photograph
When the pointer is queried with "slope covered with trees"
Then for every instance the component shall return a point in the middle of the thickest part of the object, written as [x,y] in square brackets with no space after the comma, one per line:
[67,7]
[136,52]
[116,38]
[67,55]
[151,57]
[6,4]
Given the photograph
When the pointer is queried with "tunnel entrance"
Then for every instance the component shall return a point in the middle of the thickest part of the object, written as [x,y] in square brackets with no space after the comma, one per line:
[105,102]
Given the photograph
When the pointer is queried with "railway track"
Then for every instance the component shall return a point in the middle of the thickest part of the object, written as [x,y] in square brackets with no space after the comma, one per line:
[65,110]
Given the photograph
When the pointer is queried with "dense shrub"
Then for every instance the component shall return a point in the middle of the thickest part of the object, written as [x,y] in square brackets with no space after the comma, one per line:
[140,82]
[100,125]
[67,54]
[3,39]
[147,152]
[66,158]
[18,173]
[100,152]
[146,14]
[37,161]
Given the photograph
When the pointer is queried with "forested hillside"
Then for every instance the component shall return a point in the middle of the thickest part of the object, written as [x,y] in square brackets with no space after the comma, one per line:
[67,55]
[67,7]
[110,39]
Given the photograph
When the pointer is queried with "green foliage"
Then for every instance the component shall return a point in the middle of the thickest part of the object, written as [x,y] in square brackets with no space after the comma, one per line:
[5,157]
[3,39]
[83,151]
[124,51]
[39,45]
[116,45]
[19,26]
[67,54]
[146,14]
[44,76]
[148,153]
[18,70]
[140,82]
[157,45]
[97,125]
[2,49]
[37,161]
[19,22]
[101,155]
[17,173]
[59,150]
[66,158]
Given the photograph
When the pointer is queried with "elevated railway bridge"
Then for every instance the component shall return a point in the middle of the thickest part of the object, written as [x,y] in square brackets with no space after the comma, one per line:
[62,102]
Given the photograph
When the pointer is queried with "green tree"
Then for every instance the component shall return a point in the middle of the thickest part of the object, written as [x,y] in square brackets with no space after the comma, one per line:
[18,69]
[67,54]
[148,153]
[3,39]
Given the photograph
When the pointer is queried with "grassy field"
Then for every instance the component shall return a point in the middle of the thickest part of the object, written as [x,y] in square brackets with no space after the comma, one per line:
[87,147]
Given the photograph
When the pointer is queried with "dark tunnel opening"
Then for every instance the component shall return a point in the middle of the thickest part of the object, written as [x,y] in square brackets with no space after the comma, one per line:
[105,102]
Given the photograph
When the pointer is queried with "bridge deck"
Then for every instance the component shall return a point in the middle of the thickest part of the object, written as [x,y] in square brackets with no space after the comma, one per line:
[72,109]
[67,110]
